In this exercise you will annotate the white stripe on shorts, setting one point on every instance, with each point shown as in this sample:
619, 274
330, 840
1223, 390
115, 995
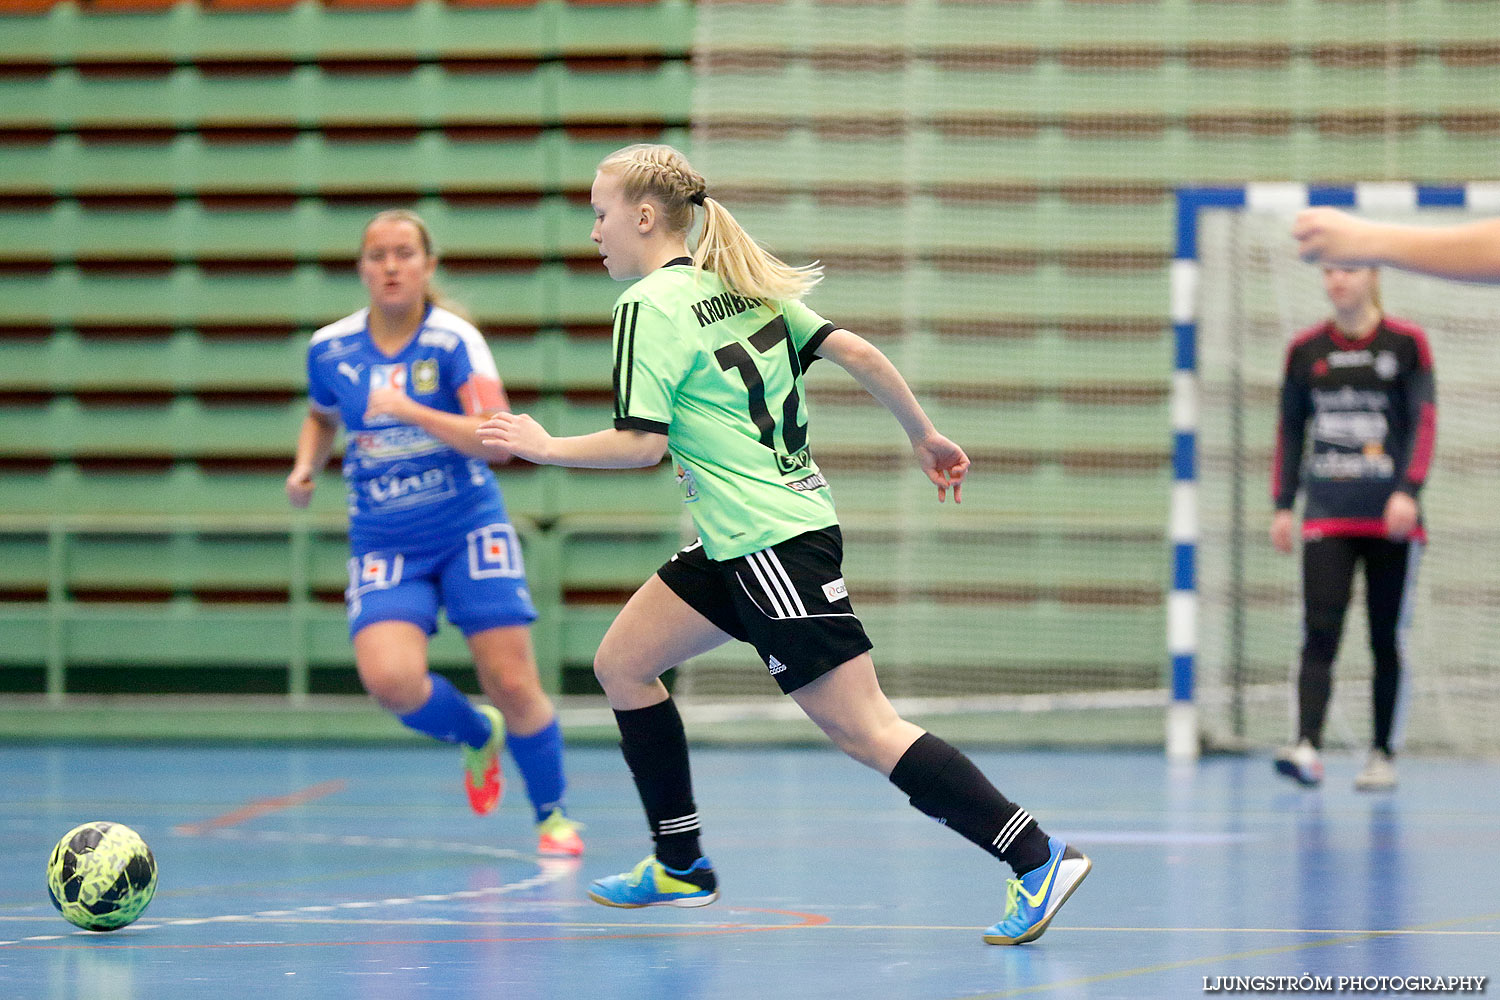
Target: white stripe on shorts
773, 593
774, 560
773, 578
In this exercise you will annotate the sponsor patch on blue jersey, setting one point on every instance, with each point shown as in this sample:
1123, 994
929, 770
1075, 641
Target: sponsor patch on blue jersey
403, 483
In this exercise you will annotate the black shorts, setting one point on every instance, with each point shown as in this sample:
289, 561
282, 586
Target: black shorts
788, 601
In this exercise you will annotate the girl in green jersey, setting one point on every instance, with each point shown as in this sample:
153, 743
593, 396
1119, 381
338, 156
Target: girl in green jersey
710, 347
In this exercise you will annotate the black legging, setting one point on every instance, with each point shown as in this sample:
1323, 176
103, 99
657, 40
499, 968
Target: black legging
1327, 578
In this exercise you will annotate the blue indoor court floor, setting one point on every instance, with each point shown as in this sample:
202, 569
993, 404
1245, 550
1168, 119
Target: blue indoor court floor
337, 873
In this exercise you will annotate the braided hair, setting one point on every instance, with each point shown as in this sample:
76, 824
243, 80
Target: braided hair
663, 175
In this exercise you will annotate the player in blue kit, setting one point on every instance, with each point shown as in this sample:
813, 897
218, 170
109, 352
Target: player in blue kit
411, 381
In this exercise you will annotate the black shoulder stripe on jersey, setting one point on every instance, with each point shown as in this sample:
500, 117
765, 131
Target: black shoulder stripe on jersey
624, 355
635, 312
619, 352
640, 424
809, 352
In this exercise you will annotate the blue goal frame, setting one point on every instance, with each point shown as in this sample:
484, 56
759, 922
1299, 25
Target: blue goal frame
1182, 737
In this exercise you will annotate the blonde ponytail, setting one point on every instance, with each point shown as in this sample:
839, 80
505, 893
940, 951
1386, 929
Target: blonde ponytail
744, 266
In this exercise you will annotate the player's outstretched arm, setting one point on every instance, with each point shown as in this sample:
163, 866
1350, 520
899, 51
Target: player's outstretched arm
1466, 252
943, 461
314, 446
520, 435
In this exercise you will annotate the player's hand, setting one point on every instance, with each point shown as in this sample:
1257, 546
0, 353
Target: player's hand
389, 402
1400, 516
945, 464
299, 486
1281, 531
517, 434
1329, 236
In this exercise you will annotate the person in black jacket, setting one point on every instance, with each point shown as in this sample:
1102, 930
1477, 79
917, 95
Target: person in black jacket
1362, 383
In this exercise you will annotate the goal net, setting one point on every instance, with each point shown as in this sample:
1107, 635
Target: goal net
1253, 296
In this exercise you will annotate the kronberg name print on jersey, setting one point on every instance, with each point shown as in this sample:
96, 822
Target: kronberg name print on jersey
404, 483
721, 376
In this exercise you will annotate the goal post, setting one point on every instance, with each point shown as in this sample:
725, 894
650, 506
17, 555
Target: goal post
1238, 295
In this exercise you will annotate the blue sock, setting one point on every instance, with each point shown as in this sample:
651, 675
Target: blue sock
539, 756
448, 716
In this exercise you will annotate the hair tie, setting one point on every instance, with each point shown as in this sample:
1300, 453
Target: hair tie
698, 197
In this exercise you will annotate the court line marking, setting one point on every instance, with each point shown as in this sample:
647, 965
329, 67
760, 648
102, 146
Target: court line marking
290, 917
260, 807
674, 930
365, 840
1338, 939
548, 870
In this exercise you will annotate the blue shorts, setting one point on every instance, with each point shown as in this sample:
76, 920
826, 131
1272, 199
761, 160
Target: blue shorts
479, 580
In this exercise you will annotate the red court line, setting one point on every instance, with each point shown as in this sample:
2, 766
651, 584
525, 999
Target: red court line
260, 807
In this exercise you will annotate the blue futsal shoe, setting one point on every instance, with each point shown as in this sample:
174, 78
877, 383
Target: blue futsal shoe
1032, 900
652, 883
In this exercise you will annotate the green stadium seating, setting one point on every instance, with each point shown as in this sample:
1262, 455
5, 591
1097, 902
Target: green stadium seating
624, 30
67, 363
1047, 358
526, 229
240, 158
306, 295
612, 553
615, 492
1043, 425
184, 490
189, 32
1066, 644
309, 163
24, 560
955, 560
625, 94
183, 428
586, 297
304, 228
575, 226
232, 171
1046, 495
583, 363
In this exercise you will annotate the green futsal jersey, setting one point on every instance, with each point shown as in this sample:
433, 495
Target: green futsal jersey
721, 376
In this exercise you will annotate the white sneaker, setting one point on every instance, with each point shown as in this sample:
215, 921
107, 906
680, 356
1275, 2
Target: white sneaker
1301, 764
1379, 774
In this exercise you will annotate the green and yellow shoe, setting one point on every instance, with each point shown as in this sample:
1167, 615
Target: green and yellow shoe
652, 883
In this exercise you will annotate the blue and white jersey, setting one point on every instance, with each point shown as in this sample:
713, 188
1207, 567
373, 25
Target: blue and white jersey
407, 488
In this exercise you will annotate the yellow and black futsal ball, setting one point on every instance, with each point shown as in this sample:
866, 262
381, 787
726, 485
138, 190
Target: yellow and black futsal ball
101, 876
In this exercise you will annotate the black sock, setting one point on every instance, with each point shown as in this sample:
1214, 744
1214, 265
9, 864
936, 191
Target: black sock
946, 785
655, 749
